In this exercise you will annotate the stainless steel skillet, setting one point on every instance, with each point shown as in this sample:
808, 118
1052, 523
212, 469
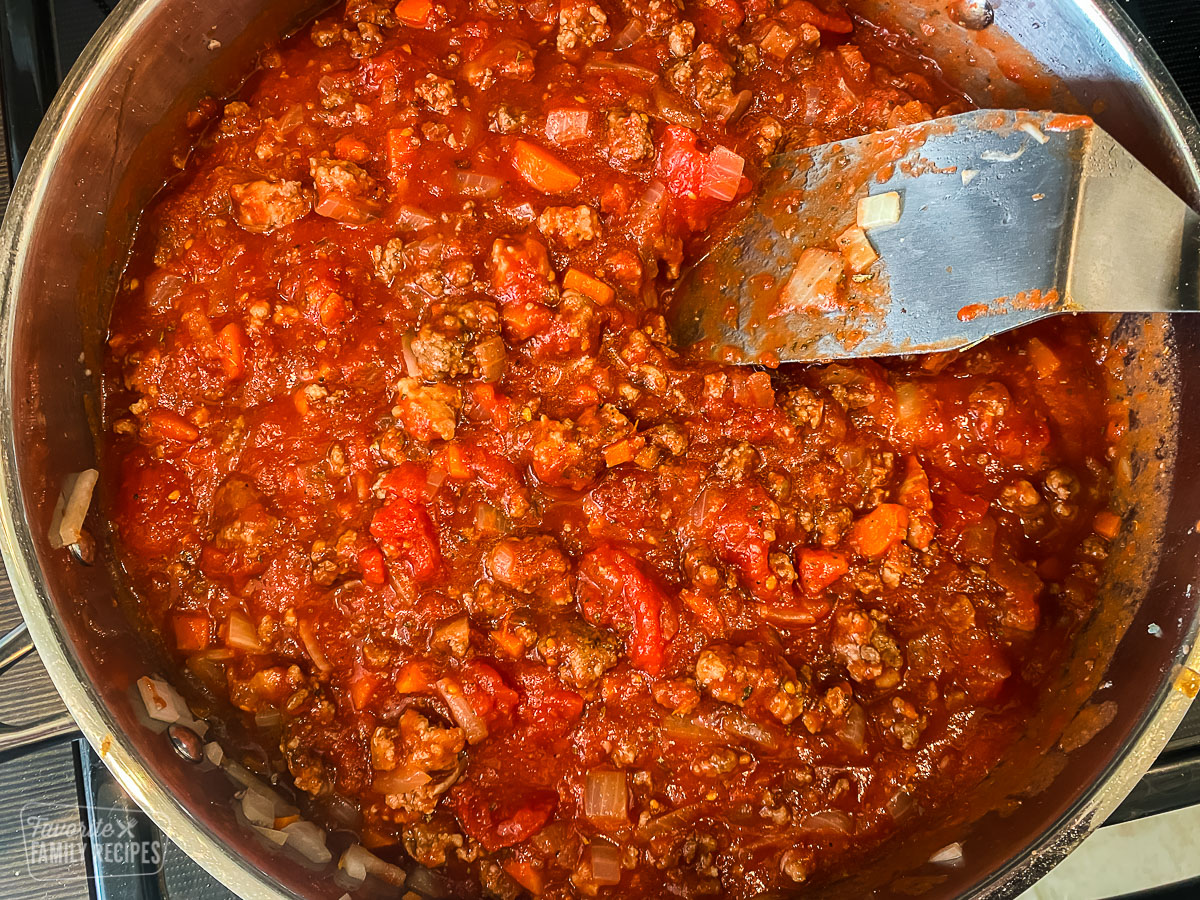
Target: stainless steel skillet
107, 144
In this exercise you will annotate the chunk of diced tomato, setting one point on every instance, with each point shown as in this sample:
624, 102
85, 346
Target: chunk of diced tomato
371, 564
820, 568
489, 694
408, 480
350, 147
680, 164
401, 149
876, 532
618, 592
405, 531
502, 814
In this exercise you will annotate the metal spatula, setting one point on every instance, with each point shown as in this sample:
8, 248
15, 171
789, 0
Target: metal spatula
981, 222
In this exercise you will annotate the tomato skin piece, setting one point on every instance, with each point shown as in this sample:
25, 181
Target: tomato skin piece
409, 480
404, 530
876, 532
623, 595
820, 568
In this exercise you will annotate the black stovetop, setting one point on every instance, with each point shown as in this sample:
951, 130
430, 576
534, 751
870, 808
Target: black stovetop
64, 783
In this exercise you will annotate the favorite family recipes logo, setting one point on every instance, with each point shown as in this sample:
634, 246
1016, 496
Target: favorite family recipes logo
62, 841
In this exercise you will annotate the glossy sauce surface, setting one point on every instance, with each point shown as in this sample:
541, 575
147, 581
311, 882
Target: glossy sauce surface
403, 462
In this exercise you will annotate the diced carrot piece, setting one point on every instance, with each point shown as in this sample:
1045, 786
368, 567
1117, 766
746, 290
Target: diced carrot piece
575, 280
875, 533
453, 459
284, 821
414, 677
623, 451
1107, 524
509, 643
349, 147
170, 425
413, 12
526, 875
543, 170
192, 632
820, 568
231, 345
362, 686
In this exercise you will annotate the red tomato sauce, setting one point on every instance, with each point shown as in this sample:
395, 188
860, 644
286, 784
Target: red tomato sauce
403, 457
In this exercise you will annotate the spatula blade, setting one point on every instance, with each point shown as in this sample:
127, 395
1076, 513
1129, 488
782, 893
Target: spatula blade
991, 206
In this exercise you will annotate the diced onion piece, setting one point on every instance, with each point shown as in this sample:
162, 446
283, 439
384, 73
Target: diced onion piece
616, 67
274, 835
722, 173
878, 210
815, 281
163, 703
214, 753
434, 479
606, 864
856, 248
683, 728
606, 797
414, 218
241, 633
830, 821
1034, 132
411, 368
900, 804
400, 781
778, 41
308, 637
268, 718
309, 841
465, 717
358, 862
353, 865
490, 354
968, 175
951, 853
672, 108
566, 125
75, 508
633, 32
854, 730
734, 106
489, 520
476, 184
258, 807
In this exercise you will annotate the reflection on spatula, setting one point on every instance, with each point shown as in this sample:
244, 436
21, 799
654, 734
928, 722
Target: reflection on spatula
935, 236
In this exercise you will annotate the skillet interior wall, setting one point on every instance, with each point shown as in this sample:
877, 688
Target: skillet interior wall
129, 152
